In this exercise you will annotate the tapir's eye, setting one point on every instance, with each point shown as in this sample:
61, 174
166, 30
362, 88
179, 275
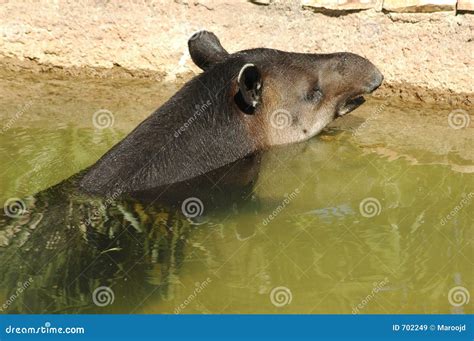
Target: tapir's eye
314, 95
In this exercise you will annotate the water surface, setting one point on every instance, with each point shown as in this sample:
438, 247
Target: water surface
372, 216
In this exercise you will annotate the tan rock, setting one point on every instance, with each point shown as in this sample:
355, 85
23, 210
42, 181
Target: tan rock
419, 5
465, 5
422, 56
261, 2
340, 4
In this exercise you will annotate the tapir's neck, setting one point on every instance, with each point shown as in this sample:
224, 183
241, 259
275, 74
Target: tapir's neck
193, 133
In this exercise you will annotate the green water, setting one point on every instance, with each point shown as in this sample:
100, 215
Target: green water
372, 216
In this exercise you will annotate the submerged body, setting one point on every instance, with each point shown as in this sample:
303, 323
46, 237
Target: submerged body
64, 244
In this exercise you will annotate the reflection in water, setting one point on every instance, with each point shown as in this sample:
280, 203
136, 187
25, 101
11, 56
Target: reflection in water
318, 243
67, 248
287, 222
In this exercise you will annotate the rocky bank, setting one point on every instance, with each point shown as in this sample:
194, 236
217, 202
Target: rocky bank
424, 56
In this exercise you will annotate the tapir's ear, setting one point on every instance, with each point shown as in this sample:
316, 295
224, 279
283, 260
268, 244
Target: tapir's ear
206, 49
250, 88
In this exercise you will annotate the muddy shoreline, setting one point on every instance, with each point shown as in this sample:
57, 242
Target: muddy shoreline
425, 57
397, 91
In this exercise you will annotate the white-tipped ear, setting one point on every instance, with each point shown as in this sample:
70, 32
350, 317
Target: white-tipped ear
242, 70
249, 81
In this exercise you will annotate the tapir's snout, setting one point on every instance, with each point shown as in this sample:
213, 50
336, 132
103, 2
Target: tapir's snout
350, 76
362, 73
376, 82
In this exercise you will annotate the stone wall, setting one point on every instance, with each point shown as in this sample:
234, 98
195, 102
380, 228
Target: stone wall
424, 56
408, 6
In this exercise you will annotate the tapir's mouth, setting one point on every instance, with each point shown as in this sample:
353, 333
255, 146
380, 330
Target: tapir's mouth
350, 105
354, 102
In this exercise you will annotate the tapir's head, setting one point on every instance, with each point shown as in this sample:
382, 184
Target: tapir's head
288, 97
242, 103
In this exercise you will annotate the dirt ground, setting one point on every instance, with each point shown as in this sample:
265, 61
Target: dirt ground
424, 57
